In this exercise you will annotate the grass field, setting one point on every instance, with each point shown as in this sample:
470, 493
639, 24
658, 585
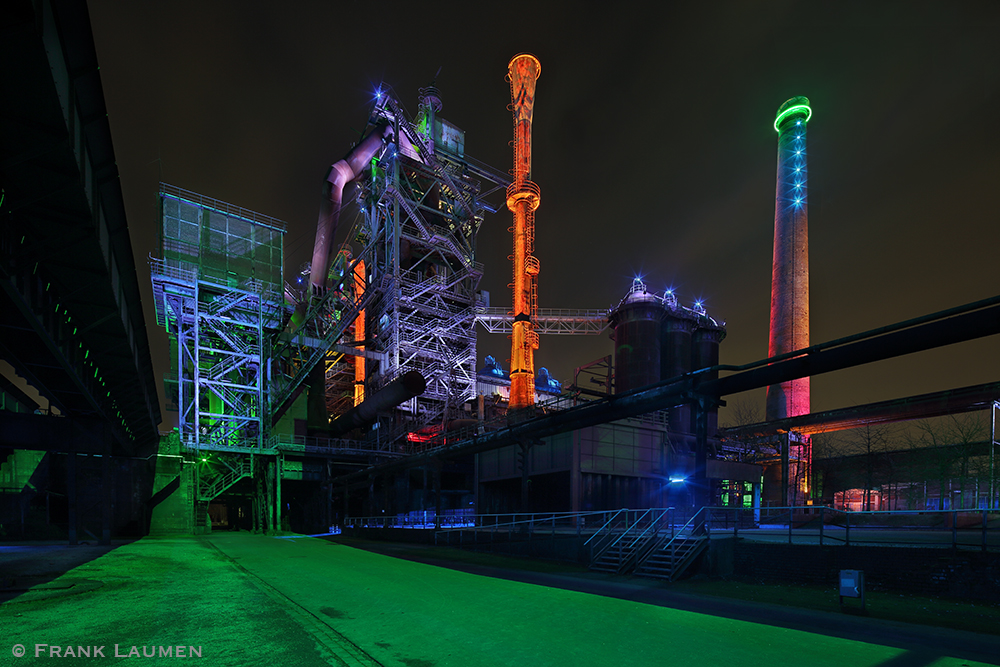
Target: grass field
887, 605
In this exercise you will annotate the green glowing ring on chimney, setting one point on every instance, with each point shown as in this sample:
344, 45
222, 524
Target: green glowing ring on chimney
796, 105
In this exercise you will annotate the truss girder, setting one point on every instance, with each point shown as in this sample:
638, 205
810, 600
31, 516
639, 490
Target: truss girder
549, 321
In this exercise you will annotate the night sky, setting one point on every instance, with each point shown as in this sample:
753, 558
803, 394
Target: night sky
653, 147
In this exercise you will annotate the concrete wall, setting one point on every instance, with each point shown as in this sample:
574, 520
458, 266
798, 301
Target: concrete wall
924, 571
173, 498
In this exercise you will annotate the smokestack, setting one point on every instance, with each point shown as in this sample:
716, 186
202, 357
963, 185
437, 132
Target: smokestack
523, 198
790, 268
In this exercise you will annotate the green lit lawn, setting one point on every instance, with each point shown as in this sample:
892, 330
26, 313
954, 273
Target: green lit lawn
407, 613
980, 617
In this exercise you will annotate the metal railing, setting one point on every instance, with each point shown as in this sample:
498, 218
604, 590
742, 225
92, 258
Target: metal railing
626, 529
576, 522
957, 529
301, 443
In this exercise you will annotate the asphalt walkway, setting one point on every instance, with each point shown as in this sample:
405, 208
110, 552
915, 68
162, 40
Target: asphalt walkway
243, 599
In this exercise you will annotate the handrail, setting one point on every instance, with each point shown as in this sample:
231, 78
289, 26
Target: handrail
651, 526
629, 529
600, 546
463, 521
605, 526
680, 532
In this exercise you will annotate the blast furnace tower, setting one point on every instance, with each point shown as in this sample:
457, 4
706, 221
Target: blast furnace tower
523, 198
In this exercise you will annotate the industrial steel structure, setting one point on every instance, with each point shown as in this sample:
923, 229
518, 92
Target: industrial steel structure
388, 329
218, 290
355, 386
422, 202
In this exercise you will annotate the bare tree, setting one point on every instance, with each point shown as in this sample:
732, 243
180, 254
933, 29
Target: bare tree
872, 442
951, 445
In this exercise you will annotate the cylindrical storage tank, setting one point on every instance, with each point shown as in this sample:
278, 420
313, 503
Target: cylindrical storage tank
675, 360
675, 345
636, 325
705, 353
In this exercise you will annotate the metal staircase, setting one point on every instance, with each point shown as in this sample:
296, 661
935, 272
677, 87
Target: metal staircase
671, 560
626, 539
213, 488
675, 552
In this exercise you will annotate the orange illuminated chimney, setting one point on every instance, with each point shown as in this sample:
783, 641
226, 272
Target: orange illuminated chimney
523, 197
359, 334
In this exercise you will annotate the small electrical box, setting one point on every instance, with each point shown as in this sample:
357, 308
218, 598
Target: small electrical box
852, 585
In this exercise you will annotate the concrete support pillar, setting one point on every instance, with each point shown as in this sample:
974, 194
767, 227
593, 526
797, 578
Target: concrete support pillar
386, 507
346, 504
369, 509
71, 496
437, 493
575, 476
107, 493
701, 491
424, 494
524, 455
277, 489
475, 480
783, 443
271, 467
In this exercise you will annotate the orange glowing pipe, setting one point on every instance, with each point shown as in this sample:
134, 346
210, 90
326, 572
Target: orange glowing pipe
523, 198
359, 333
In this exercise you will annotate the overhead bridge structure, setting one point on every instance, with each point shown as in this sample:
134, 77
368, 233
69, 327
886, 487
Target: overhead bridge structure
552, 321
71, 318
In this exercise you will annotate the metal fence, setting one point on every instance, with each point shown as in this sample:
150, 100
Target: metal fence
824, 526
957, 529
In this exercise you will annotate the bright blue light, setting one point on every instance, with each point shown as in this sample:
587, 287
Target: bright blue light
677, 480
798, 201
798, 152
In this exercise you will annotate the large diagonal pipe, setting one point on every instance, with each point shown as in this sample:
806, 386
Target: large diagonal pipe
403, 388
341, 173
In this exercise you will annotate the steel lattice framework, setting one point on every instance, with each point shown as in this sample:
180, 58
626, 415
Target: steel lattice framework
423, 201
216, 292
564, 321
